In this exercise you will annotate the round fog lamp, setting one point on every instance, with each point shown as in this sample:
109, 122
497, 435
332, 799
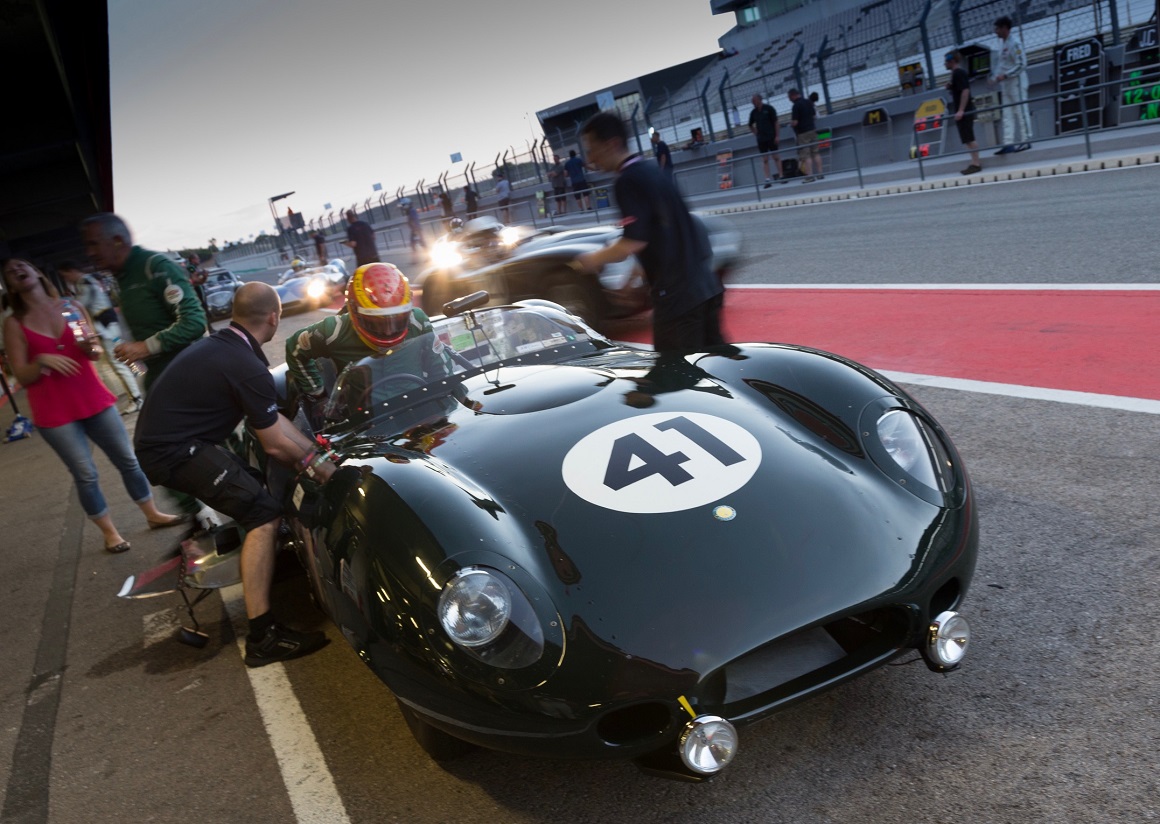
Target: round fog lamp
707, 744
948, 638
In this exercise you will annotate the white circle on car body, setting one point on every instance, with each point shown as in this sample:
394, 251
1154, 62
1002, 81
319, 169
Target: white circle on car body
661, 462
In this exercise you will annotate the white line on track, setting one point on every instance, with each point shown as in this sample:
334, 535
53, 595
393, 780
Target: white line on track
1151, 407
311, 787
974, 287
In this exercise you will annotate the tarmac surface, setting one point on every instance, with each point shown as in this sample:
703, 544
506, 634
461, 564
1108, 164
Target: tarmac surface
1052, 718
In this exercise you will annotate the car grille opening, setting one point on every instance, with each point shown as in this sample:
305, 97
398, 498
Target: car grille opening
636, 723
803, 660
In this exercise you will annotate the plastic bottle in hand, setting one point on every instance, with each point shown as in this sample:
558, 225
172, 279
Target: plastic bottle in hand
136, 367
86, 337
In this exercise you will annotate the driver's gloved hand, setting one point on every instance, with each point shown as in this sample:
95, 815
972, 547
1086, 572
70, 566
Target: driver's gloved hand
314, 407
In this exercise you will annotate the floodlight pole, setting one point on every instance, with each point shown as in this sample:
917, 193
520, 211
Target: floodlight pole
277, 223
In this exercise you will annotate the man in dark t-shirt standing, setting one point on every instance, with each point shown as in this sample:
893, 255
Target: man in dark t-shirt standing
803, 118
672, 246
191, 410
574, 166
763, 124
963, 107
663, 155
360, 237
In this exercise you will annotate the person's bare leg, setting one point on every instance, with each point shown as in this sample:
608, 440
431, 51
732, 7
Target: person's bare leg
108, 530
156, 517
258, 551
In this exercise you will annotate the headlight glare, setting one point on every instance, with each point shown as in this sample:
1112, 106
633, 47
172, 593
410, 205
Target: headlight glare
316, 288
445, 254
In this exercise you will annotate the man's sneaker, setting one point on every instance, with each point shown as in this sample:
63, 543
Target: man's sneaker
1006, 150
768, 183
282, 644
972, 170
1022, 147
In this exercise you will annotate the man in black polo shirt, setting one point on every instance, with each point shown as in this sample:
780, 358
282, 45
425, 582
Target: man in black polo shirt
963, 107
672, 246
803, 118
191, 410
360, 237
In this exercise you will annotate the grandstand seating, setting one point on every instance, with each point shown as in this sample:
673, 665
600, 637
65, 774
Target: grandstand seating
864, 46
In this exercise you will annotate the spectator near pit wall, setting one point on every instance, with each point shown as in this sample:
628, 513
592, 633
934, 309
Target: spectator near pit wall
763, 123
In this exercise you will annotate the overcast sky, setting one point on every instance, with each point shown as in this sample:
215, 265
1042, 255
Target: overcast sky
219, 104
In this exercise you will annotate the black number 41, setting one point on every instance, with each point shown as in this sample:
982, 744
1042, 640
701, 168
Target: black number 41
618, 475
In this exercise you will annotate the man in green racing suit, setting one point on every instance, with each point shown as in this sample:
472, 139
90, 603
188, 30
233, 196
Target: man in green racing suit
379, 319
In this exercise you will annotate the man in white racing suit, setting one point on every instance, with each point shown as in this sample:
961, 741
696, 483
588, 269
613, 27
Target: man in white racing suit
1010, 75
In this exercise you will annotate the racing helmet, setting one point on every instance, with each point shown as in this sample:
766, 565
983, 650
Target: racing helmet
298, 264
455, 225
378, 298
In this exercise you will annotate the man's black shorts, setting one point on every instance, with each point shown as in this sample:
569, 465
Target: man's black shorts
223, 481
764, 146
966, 127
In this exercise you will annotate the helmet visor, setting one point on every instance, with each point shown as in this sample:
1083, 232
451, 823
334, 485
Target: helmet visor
383, 327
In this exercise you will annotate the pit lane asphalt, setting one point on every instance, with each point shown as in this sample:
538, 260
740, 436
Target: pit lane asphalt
1052, 718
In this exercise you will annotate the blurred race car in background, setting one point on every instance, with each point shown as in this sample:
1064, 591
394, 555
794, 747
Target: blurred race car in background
219, 288
517, 263
303, 288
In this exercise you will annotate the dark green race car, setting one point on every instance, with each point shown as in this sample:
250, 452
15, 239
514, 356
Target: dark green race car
561, 546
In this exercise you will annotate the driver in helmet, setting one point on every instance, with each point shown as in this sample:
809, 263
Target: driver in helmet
379, 317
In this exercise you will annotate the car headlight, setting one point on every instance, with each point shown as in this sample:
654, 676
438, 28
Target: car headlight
446, 255
484, 613
707, 744
947, 640
509, 236
316, 289
912, 445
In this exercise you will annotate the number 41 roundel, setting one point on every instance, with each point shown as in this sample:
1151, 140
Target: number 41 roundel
661, 462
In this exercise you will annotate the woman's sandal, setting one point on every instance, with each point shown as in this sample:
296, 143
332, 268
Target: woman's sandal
175, 521
121, 547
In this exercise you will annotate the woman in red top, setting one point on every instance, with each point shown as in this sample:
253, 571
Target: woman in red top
52, 359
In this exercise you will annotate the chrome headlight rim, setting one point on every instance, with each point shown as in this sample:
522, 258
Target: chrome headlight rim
947, 640
475, 664
707, 744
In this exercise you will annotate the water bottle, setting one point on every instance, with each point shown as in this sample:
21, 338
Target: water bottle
137, 367
83, 333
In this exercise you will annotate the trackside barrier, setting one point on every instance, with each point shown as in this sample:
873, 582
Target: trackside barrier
689, 177
1085, 88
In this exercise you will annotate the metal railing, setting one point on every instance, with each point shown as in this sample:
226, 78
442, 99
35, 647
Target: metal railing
690, 178
1085, 89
